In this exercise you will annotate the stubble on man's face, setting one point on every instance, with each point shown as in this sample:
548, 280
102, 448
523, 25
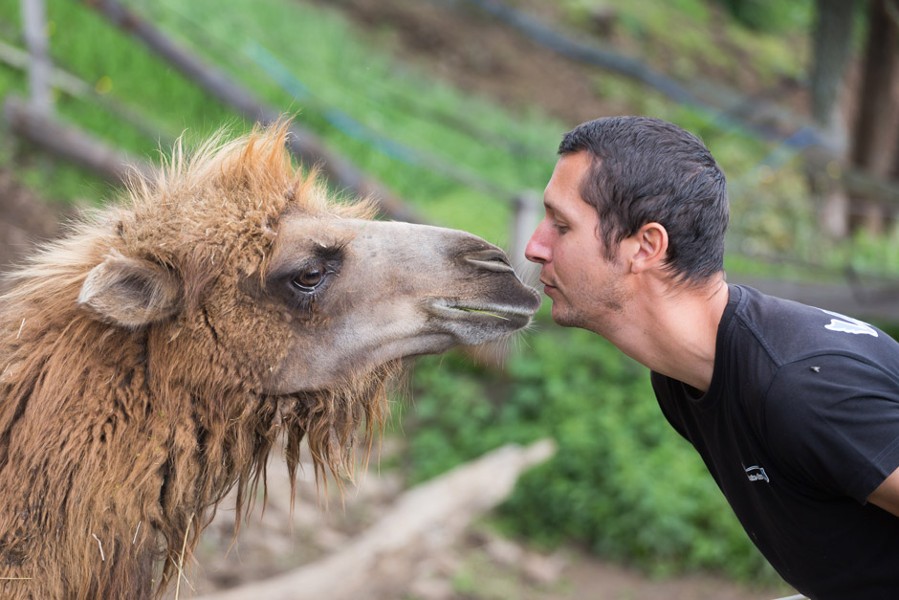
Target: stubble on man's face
595, 300
586, 287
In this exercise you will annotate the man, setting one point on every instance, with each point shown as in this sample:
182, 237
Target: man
794, 409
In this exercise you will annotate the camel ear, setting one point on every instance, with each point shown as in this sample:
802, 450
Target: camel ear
130, 292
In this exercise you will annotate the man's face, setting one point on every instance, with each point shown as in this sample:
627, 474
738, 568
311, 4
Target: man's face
585, 288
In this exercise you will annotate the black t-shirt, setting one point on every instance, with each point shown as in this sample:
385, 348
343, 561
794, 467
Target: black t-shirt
799, 425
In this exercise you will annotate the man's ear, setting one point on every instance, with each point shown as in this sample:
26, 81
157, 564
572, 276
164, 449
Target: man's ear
648, 247
130, 292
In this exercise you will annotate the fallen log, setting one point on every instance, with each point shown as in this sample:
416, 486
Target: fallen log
381, 561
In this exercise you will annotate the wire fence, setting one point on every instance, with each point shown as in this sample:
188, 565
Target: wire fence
252, 54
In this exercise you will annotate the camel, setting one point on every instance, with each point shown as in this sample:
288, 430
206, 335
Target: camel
152, 357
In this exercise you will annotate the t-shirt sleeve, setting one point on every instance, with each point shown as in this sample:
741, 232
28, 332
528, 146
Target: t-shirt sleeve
666, 396
835, 421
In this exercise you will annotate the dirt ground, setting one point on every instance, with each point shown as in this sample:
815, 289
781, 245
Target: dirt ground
475, 54
460, 44
481, 565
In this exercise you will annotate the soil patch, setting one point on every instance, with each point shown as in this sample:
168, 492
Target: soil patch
469, 48
25, 220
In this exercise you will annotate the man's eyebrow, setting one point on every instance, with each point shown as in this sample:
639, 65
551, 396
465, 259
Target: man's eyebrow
553, 210
548, 203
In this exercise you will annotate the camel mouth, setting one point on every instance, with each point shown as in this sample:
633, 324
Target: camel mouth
507, 317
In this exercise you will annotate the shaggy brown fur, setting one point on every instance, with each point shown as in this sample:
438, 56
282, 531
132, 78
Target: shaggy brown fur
117, 442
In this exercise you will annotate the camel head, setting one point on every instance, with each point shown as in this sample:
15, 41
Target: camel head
253, 277
150, 359
256, 267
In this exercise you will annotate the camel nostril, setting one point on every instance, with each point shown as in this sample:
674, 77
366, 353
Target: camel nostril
491, 259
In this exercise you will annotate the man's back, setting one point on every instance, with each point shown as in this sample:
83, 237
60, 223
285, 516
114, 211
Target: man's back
799, 426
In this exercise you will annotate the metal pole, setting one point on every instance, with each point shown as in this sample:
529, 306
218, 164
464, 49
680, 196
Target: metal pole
34, 23
527, 214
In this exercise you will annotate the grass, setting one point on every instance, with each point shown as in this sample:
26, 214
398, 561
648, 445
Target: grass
457, 159
418, 135
421, 147
695, 39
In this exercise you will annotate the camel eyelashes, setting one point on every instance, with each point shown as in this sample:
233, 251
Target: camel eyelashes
299, 286
312, 273
305, 283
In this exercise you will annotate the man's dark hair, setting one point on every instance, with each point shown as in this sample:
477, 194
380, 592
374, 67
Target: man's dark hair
647, 170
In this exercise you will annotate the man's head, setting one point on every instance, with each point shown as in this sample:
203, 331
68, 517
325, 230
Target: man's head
646, 170
628, 195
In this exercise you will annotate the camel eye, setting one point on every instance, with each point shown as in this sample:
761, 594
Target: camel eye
302, 283
310, 278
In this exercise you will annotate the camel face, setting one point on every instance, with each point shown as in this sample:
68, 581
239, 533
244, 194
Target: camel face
357, 294
253, 276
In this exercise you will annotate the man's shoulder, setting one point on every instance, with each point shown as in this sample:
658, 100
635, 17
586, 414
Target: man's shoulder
790, 331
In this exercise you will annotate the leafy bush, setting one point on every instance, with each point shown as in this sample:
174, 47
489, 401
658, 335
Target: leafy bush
623, 483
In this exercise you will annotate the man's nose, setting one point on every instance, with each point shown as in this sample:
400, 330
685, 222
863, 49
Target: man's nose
537, 250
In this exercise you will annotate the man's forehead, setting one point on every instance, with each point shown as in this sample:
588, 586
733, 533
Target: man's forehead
563, 192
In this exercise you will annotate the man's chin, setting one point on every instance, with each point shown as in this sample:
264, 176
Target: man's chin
561, 316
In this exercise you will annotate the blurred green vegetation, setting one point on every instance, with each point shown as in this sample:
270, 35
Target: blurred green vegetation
623, 483
416, 134
696, 39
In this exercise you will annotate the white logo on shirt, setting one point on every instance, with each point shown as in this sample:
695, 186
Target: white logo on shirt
846, 324
756, 473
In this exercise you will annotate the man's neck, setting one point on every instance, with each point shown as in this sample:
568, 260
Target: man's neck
673, 330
